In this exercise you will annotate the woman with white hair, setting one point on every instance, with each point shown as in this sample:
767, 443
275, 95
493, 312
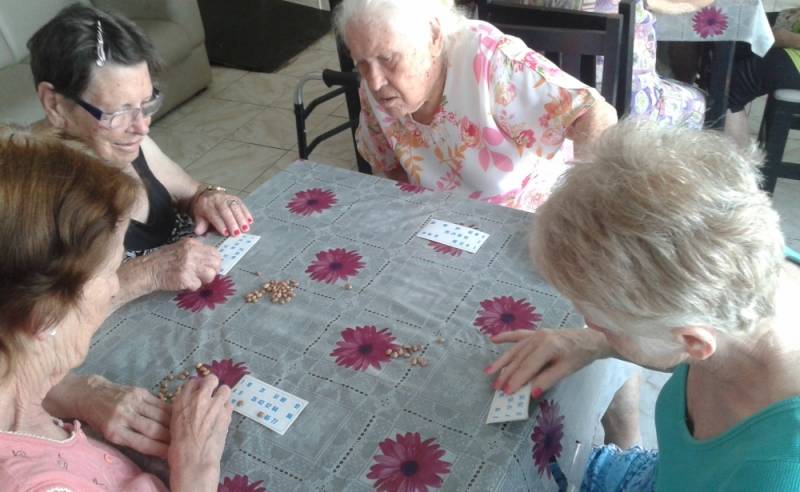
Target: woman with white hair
455, 105
675, 258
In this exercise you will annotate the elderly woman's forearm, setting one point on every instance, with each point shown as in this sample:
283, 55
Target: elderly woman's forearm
135, 280
590, 126
786, 39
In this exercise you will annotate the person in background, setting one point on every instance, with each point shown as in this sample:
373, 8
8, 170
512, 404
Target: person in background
755, 76
452, 104
668, 247
62, 221
653, 97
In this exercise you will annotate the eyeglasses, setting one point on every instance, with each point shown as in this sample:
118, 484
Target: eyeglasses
123, 118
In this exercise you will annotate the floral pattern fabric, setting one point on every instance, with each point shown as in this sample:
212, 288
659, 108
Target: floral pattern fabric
499, 132
653, 97
208, 296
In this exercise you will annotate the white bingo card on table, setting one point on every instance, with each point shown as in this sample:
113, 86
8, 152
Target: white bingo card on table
269, 406
233, 249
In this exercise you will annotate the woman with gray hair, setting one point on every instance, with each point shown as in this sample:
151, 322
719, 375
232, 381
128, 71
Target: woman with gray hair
674, 256
94, 73
455, 105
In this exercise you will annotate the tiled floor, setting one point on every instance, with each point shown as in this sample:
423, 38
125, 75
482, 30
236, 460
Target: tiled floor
241, 131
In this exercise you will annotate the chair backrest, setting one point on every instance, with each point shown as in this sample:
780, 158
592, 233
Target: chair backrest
573, 40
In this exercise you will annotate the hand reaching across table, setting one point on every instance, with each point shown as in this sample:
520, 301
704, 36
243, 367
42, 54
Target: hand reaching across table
544, 357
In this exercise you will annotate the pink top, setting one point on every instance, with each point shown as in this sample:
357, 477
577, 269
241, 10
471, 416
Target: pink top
499, 132
38, 464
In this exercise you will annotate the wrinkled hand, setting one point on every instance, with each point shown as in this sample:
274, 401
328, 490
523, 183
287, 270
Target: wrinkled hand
201, 414
545, 357
225, 213
126, 416
185, 265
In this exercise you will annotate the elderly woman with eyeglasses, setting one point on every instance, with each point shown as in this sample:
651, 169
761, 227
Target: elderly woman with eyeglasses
62, 224
667, 246
455, 105
93, 72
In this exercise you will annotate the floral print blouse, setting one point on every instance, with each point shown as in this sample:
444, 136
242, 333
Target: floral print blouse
499, 131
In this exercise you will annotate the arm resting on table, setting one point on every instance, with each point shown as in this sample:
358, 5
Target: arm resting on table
135, 280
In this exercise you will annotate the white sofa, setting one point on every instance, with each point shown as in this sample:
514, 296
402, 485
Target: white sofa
174, 26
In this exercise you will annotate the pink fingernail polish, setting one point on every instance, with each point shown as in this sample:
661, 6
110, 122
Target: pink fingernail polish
507, 389
496, 385
537, 392
236, 232
250, 220
225, 232
245, 228
487, 369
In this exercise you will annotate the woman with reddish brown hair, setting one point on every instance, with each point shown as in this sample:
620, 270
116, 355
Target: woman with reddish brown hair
63, 217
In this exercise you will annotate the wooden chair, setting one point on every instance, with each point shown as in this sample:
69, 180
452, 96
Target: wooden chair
573, 40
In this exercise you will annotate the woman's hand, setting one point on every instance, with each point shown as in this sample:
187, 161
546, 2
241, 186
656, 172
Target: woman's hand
126, 416
545, 357
185, 265
201, 414
225, 213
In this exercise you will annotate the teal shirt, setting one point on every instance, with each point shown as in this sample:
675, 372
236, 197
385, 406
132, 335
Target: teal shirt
761, 453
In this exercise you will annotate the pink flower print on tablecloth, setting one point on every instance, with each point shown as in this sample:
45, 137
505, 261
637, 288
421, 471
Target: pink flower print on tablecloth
547, 434
408, 464
227, 371
710, 21
208, 296
311, 201
240, 483
335, 264
409, 188
444, 249
505, 313
363, 347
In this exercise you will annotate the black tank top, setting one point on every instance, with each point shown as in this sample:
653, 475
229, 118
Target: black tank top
161, 219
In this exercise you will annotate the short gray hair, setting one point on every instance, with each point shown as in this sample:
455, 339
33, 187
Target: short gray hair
665, 228
402, 16
64, 51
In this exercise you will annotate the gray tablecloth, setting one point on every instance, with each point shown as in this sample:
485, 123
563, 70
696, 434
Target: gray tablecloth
371, 421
